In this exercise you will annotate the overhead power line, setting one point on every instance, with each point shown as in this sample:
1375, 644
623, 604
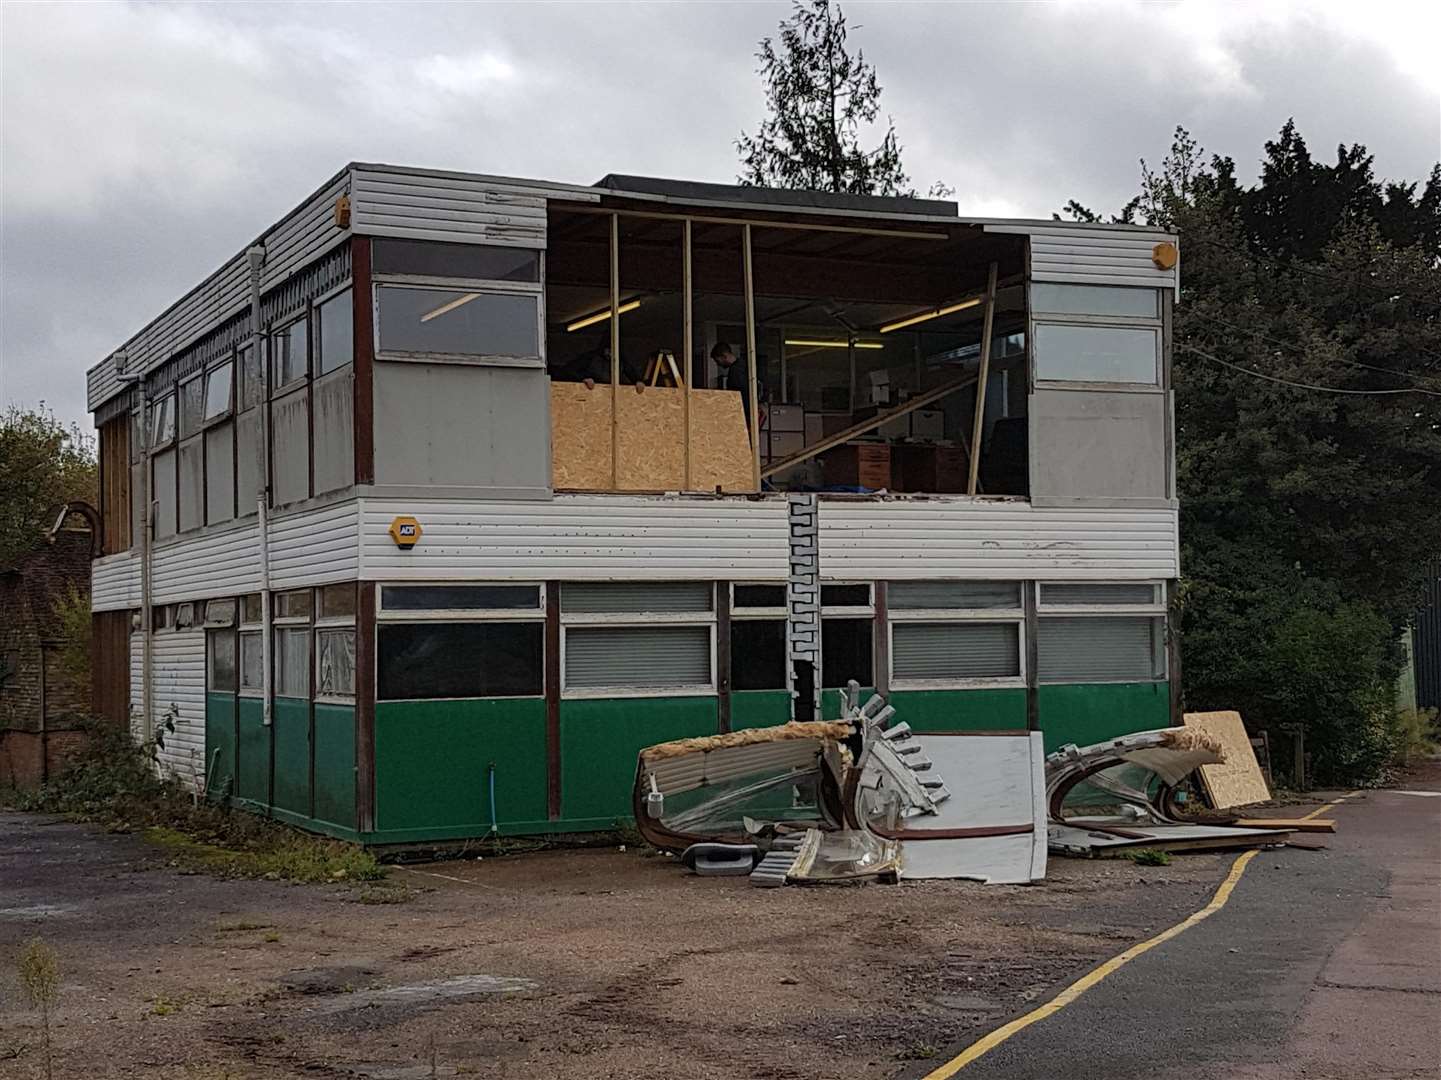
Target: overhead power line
1302, 385
1301, 350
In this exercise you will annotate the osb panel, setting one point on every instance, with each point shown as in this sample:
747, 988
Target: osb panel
652, 452
1238, 780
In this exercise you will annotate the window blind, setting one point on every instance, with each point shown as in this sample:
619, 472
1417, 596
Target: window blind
637, 656
935, 650
1109, 648
1086, 592
634, 596
901, 595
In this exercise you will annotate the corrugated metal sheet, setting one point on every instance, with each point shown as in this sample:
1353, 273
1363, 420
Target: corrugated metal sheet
466, 209
580, 537
301, 237
179, 686
308, 548
957, 538
115, 582
1094, 254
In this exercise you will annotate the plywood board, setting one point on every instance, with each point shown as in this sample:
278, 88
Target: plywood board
1238, 780
652, 433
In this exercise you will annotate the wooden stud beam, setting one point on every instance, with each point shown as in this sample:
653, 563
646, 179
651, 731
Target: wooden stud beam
983, 371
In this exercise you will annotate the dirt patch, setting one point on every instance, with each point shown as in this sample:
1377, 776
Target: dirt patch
591, 963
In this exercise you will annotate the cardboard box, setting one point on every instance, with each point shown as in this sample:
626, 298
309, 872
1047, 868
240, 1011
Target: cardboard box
859, 464
899, 428
786, 443
928, 424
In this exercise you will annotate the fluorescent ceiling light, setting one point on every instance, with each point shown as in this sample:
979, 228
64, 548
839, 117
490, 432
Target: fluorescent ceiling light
601, 316
926, 316
459, 301
832, 343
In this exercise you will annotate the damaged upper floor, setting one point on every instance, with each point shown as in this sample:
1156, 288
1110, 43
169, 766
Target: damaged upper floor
468, 335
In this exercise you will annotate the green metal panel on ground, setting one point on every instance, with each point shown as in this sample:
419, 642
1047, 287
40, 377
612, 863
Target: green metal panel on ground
432, 765
252, 772
334, 770
962, 710
759, 708
290, 719
1088, 713
599, 743
219, 745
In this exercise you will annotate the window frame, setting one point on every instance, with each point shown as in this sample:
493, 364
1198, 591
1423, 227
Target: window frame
1157, 609
779, 614
253, 629
207, 421
843, 611
282, 325
643, 619
1005, 616
165, 404
317, 340
536, 290
1039, 319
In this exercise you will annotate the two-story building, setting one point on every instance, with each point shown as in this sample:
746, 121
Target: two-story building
429, 509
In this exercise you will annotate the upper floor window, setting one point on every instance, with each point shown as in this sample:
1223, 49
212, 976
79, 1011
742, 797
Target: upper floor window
1098, 300
162, 420
458, 322
289, 359
335, 337
481, 262
1097, 334
218, 386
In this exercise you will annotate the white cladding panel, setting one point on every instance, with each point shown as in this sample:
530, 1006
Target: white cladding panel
1095, 254
309, 548
137, 687
300, 238
179, 690
115, 582
957, 538
449, 206
580, 537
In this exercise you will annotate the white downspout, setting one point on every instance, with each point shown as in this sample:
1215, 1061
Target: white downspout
147, 628
256, 258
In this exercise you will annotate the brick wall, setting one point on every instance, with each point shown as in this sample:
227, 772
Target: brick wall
20, 755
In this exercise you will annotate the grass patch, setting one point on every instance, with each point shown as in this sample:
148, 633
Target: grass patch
386, 894
114, 783
918, 1052
1148, 857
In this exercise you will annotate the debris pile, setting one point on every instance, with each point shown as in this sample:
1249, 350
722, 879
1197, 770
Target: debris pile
865, 798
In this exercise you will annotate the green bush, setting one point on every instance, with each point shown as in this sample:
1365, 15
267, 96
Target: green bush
1417, 736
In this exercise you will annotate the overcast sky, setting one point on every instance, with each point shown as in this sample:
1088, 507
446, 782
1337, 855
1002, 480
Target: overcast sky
144, 144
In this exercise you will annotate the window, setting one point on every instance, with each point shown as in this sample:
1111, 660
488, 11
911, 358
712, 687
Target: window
192, 484
252, 665
1095, 300
644, 636
430, 259
221, 669
184, 616
250, 609
1085, 353
292, 605
425, 660
335, 334
192, 405
758, 637
955, 633
220, 613
1097, 632
289, 362
162, 617
292, 661
334, 662
459, 597
252, 378
162, 420
457, 322
218, 384
162, 480
337, 601
847, 635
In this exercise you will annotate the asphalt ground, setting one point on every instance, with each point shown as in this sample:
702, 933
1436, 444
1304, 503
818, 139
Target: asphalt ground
1323, 964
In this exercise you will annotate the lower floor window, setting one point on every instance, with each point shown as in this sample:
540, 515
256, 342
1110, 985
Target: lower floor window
758, 654
220, 661
292, 662
846, 652
954, 651
1101, 648
642, 657
419, 660
335, 663
252, 668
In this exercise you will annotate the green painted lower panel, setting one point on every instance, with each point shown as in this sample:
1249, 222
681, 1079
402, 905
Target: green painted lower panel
252, 770
290, 719
600, 740
961, 710
220, 745
334, 772
1090, 712
759, 708
432, 765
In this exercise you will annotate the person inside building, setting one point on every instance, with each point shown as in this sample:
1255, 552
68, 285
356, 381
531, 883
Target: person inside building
735, 375
593, 366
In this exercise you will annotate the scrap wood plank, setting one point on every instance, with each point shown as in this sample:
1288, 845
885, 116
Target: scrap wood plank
1298, 824
1238, 780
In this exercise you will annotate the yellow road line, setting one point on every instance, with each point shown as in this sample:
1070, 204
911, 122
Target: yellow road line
989, 1042
1327, 806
